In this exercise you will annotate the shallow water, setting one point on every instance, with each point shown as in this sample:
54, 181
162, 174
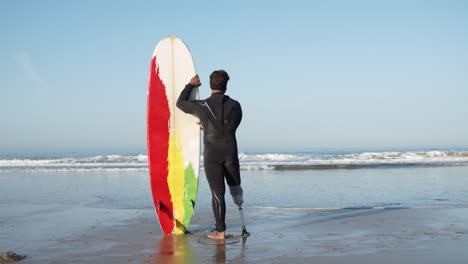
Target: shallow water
383, 187
373, 187
66, 210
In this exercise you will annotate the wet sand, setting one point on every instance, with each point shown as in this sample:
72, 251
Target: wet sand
67, 233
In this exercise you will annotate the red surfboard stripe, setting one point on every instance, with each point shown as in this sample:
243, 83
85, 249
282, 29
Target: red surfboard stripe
158, 147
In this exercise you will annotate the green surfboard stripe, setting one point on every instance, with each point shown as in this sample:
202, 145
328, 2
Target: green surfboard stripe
191, 187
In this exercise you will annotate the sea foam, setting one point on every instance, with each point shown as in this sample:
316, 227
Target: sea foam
262, 161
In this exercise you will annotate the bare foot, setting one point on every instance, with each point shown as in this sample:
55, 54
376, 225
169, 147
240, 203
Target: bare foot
218, 235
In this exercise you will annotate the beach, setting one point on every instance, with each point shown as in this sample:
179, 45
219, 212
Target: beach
435, 235
386, 214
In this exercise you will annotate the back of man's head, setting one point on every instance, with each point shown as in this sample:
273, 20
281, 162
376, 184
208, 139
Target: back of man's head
219, 80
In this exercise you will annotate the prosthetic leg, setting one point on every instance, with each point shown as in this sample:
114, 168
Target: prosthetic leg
236, 192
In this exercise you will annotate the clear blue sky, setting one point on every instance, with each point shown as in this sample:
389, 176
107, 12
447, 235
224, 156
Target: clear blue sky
309, 74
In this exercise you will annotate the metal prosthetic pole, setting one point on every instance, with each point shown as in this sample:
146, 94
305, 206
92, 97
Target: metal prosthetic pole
236, 192
244, 230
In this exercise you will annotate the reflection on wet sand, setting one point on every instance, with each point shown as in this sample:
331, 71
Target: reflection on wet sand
178, 249
174, 249
220, 255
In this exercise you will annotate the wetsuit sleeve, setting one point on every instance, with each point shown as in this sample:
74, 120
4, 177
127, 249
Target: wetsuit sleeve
184, 103
235, 117
238, 116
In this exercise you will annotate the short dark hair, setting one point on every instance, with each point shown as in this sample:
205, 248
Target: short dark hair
219, 80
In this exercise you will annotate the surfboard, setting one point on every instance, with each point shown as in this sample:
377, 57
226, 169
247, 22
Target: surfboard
173, 137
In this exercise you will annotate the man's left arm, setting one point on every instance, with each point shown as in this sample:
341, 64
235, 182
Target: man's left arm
183, 102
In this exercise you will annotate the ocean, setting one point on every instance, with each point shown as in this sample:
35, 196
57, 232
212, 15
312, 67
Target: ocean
353, 178
294, 160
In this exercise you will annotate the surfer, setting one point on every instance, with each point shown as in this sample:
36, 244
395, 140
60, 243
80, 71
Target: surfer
219, 118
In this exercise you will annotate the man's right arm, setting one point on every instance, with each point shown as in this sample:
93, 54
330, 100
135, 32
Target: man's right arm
234, 117
238, 115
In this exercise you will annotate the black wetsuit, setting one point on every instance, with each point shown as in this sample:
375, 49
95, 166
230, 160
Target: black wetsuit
220, 116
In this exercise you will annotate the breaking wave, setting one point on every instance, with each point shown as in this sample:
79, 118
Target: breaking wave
353, 160
264, 161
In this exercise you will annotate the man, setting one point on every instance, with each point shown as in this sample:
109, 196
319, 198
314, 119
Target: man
219, 118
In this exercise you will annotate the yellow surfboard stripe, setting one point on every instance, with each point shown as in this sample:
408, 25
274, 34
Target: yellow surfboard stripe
176, 181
